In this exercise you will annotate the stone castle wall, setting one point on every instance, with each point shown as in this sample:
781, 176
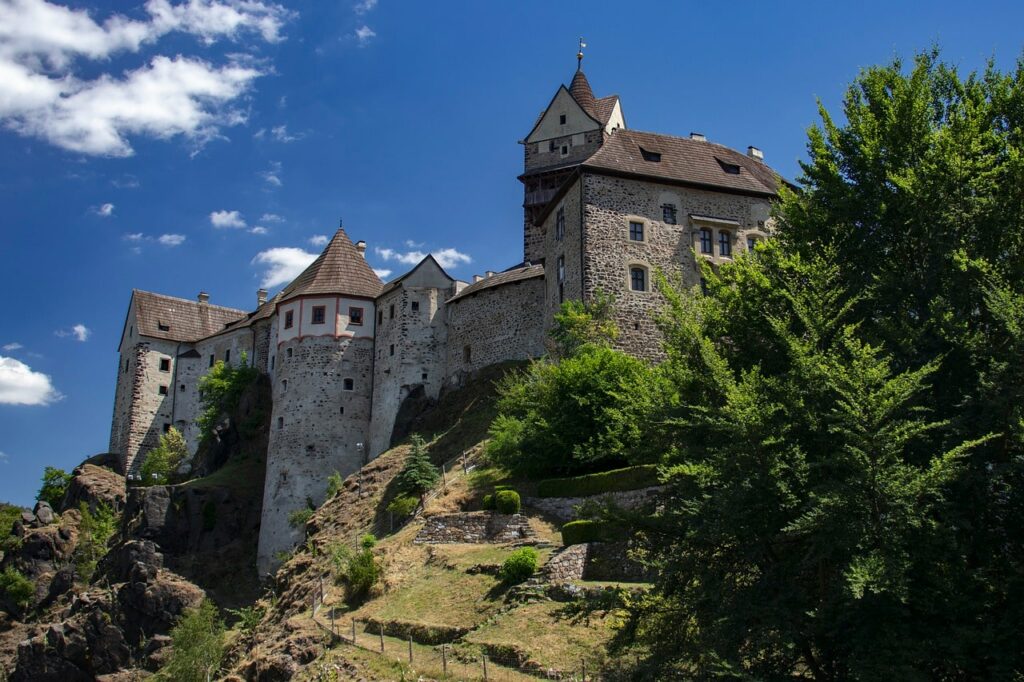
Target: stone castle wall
610, 204
568, 248
148, 411
317, 427
501, 323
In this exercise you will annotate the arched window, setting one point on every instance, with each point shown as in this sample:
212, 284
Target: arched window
724, 243
638, 278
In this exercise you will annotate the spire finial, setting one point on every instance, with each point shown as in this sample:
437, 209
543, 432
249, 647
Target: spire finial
341, 223
579, 55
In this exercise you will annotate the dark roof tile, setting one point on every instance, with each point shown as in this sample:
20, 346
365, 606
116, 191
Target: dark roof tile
516, 274
339, 270
178, 319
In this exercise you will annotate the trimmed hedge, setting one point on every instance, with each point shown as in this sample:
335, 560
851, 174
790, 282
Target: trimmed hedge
507, 502
630, 478
519, 566
488, 503
578, 532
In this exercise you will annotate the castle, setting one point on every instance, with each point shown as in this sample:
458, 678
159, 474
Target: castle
604, 208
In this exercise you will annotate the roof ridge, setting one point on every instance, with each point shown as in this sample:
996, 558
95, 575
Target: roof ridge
705, 142
189, 300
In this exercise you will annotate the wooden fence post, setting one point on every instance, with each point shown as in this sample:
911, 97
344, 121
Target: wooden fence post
584, 662
382, 636
444, 659
485, 667
410, 649
353, 632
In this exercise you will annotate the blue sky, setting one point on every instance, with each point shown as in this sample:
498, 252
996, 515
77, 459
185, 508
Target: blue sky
175, 146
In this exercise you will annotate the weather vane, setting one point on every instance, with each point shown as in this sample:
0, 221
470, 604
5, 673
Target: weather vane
579, 55
341, 222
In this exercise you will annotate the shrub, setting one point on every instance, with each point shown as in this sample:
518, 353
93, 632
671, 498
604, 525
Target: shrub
162, 461
249, 618
94, 532
488, 502
361, 575
630, 478
334, 482
404, 505
578, 532
220, 390
16, 588
340, 555
368, 541
507, 501
55, 484
198, 645
519, 566
299, 517
419, 474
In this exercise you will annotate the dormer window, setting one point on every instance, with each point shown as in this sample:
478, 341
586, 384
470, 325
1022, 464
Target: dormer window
649, 155
163, 327
561, 119
730, 168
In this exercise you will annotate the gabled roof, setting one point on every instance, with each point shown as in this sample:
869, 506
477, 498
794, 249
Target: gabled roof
178, 319
515, 274
339, 270
397, 282
261, 313
683, 160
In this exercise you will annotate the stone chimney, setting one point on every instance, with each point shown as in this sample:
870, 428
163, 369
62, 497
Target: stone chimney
755, 153
203, 297
477, 278
699, 137
261, 297
490, 273
361, 248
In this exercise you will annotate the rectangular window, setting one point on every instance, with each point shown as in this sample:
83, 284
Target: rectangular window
391, 311
181, 388
415, 306
165, 364
565, 150
551, 146
162, 390
167, 428
423, 377
467, 353
560, 224
273, 360
705, 240
751, 243
380, 317
636, 231
319, 314
561, 119
355, 315
391, 351
668, 213
560, 269
348, 384
724, 244
289, 319
280, 422
212, 360
126, 361
227, 356
638, 279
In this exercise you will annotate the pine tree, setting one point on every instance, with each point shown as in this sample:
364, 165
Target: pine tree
419, 474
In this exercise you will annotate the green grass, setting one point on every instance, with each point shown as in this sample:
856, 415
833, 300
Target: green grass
241, 473
630, 478
438, 596
461, 557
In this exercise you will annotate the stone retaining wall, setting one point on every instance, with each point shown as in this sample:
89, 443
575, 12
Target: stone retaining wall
475, 527
564, 508
594, 561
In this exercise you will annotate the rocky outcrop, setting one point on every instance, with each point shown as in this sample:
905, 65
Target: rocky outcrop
93, 483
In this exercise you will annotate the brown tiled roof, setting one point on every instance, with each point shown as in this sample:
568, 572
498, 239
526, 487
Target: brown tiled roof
580, 90
339, 270
516, 274
183, 320
603, 108
683, 160
261, 313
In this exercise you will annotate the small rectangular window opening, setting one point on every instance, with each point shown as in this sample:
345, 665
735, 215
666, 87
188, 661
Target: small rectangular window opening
319, 314
705, 240
165, 364
560, 224
212, 360
355, 316
162, 390
668, 214
288, 352
163, 327
227, 356
636, 231
649, 155
280, 422
638, 279
167, 428
467, 354
392, 350
724, 244
289, 319
380, 317
349, 384
561, 119
415, 306
391, 312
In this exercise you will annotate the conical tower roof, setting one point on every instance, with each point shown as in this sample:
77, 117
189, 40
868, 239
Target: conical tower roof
339, 271
581, 92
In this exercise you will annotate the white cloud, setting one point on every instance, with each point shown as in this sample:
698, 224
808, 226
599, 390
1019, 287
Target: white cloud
319, 240
281, 134
282, 264
224, 219
13, 346
364, 6
446, 258
79, 331
134, 237
383, 273
127, 181
272, 176
20, 385
259, 229
271, 218
171, 239
413, 245
42, 96
365, 34
105, 210
4, 459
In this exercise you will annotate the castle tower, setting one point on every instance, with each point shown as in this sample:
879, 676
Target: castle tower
322, 338
574, 125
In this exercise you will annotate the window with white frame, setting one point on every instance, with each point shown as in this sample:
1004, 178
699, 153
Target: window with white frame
636, 231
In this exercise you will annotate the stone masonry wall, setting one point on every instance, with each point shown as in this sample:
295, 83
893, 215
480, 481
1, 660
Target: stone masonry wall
149, 410
594, 561
610, 204
567, 248
564, 508
498, 324
317, 427
475, 527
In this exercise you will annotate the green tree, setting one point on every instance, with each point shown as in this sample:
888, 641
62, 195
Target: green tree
220, 390
55, 484
588, 412
16, 588
579, 323
419, 474
163, 461
94, 532
197, 645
